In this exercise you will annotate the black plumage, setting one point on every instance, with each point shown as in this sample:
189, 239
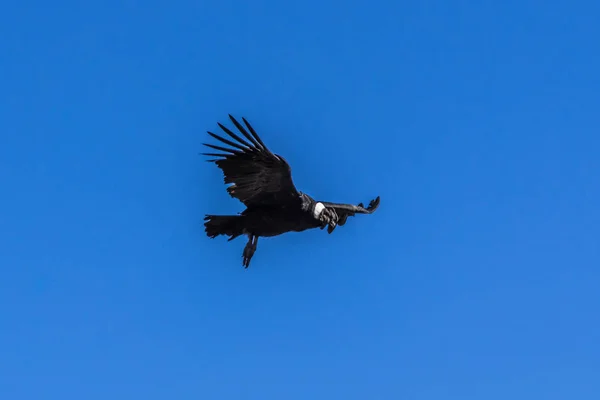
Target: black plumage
262, 181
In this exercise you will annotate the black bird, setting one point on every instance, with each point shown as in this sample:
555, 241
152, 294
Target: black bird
262, 181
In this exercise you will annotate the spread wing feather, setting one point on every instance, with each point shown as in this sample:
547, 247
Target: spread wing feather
258, 176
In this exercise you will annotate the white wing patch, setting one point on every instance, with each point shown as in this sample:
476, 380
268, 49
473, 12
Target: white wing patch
319, 207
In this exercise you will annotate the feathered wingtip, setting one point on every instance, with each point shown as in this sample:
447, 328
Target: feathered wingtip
251, 143
373, 205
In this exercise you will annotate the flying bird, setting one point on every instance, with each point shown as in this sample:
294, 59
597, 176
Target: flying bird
262, 181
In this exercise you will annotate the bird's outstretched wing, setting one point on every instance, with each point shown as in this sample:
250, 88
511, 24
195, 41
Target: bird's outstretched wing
258, 176
344, 211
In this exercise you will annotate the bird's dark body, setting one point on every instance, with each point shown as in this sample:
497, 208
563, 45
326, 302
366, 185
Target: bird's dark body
265, 221
262, 181
274, 221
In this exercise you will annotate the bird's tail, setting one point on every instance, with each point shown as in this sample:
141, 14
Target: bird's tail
230, 225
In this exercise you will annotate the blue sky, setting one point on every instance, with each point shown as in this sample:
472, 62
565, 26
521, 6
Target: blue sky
476, 123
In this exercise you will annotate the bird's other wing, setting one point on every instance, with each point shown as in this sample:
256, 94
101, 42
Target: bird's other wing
348, 210
258, 176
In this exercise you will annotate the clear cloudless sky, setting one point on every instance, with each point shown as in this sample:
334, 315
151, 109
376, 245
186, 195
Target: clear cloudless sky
476, 122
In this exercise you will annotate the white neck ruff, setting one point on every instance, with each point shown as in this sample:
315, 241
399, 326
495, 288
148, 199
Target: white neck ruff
319, 207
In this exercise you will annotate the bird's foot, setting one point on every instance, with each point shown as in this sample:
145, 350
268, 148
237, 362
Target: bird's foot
249, 251
247, 255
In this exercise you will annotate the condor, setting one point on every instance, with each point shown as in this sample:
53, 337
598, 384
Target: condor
262, 181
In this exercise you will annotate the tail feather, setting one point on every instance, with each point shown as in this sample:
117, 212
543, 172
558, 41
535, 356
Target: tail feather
229, 225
